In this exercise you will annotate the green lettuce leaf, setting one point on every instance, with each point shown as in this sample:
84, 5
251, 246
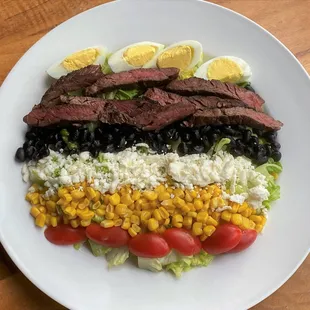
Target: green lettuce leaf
105, 68
121, 94
186, 263
97, 249
221, 145
117, 256
156, 264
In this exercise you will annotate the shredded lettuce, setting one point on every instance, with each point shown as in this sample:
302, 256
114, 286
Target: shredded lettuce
221, 145
117, 256
186, 263
77, 246
175, 262
271, 170
78, 92
105, 68
121, 94
97, 249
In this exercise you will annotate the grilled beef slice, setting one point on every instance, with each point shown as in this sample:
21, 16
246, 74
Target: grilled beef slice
73, 81
234, 116
133, 79
200, 102
198, 86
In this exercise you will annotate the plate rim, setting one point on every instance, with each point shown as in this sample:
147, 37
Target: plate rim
10, 251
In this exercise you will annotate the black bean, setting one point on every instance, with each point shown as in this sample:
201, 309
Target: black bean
27, 144
241, 128
186, 137
206, 143
39, 144
97, 144
230, 131
197, 149
83, 135
171, 135
232, 142
196, 135
36, 156
30, 135
90, 136
248, 151
268, 150
44, 151
94, 151
276, 155
107, 138
121, 144
236, 152
240, 145
159, 138
247, 134
30, 151
259, 132
276, 145
110, 148
271, 136
60, 145
217, 130
214, 137
261, 159
131, 137
85, 146
20, 155
261, 149
183, 149
204, 130
74, 136
73, 151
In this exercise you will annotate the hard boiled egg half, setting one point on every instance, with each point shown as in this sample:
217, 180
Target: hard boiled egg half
90, 56
134, 56
184, 55
226, 69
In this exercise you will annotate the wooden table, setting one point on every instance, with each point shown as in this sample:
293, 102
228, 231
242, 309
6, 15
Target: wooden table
23, 22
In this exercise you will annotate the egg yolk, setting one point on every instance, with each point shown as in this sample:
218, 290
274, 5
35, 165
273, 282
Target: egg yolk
179, 57
224, 70
138, 56
80, 59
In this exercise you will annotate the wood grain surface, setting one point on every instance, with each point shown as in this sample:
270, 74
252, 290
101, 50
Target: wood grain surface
23, 22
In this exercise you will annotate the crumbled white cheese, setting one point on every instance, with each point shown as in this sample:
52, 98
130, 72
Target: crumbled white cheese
145, 171
220, 209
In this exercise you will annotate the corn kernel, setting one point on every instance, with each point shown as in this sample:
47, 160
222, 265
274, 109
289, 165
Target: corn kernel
42, 209
126, 200
209, 230
185, 209
137, 213
264, 220
153, 204
203, 237
126, 224
252, 224
197, 229
160, 188
96, 205
256, 219
106, 199
65, 219
131, 207
178, 192
167, 202
198, 204
247, 212
216, 215
243, 207
161, 229
115, 199
145, 206
157, 215
150, 195
234, 207
169, 190
86, 202
245, 223
75, 223
132, 232
90, 194
136, 228
85, 223
192, 214
163, 196
205, 197
40, 220
67, 198
134, 219
34, 212
226, 216
48, 220
163, 212
50, 205
109, 215
100, 212
61, 192
118, 222
236, 219
107, 223
109, 208
177, 220
53, 221
120, 209
136, 195
178, 202
54, 198
188, 221
70, 211
42, 201
87, 215
152, 224
145, 215
211, 221
193, 193
97, 197
167, 221
202, 217
259, 227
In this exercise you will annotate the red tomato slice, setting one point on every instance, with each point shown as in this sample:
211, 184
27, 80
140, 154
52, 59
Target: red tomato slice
248, 237
225, 238
65, 234
113, 237
149, 245
182, 241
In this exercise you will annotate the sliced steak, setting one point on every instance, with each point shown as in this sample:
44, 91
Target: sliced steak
200, 102
197, 86
234, 116
71, 82
133, 79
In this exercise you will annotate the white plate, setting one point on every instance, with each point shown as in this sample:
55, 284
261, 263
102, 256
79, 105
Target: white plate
80, 281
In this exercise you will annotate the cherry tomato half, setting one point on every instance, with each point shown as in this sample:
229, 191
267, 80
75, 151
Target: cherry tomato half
182, 241
248, 237
149, 245
65, 234
225, 238
113, 237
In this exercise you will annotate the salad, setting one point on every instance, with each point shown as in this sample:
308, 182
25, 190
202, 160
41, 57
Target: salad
160, 154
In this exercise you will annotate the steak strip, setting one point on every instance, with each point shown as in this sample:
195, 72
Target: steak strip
73, 81
162, 97
133, 79
234, 116
197, 86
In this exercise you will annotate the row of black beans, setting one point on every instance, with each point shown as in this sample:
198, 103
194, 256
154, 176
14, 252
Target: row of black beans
115, 138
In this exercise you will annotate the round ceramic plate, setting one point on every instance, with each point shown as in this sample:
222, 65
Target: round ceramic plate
79, 280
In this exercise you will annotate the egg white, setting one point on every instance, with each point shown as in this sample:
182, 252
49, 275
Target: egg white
118, 63
201, 72
57, 70
196, 46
